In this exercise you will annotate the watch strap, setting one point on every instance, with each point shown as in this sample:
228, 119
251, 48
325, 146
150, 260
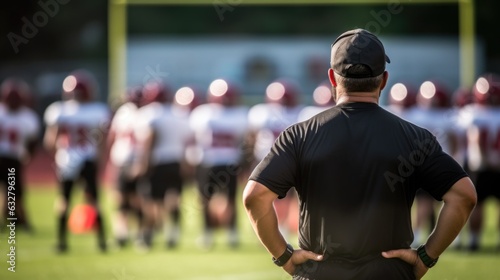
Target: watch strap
422, 254
281, 260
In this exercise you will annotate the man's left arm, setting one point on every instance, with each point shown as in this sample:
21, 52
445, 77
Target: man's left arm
459, 202
258, 201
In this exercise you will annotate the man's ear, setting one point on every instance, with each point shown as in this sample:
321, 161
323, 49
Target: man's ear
331, 77
385, 77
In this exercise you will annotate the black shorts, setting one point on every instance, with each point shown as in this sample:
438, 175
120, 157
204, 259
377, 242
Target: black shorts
487, 184
88, 173
126, 185
217, 179
379, 268
162, 178
11, 179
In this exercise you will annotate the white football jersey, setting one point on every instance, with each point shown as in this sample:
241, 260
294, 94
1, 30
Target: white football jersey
82, 128
268, 120
483, 150
17, 128
124, 147
219, 132
439, 122
171, 128
461, 119
400, 111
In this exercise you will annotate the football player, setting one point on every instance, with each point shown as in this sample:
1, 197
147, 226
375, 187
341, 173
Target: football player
76, 135
219, 128
163, 133
19, 128
483, 149
123, 154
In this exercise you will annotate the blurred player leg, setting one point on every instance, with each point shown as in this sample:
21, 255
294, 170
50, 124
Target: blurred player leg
89, 174
425, 216
7, 163
232, 187
62, 206
172, 208
218, 186
206, 190
171, 176
128, 208
486, 186
475, 224
150, 209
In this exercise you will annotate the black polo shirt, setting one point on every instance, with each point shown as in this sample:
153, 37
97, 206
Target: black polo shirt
356, 168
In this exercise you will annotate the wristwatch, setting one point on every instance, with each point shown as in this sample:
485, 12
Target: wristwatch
428, 261
281, 260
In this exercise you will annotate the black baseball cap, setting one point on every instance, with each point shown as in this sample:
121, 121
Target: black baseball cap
358, 46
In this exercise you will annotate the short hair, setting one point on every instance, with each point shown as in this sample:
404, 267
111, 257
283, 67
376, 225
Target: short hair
359, 84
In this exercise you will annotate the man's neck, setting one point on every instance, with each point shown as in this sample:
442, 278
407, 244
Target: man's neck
366, 97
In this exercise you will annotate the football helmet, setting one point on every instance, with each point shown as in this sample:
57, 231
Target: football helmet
14, 93
80, 85
402, 95
156, 92
134, 95
433, 95
284, 92
222, 92
188, 96
462, 97
487, 90
322, 95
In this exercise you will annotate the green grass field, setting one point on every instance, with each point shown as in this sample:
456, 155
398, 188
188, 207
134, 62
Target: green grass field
36, 258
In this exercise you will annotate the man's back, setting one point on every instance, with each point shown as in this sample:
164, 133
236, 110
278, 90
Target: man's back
356, 168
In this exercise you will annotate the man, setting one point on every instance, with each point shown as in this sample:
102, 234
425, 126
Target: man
123, 154
162, 133
75, 134
483, 148
219, 128
356, 168
19, 128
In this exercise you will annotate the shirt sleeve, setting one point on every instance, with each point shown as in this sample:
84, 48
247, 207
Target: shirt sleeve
439, 171
278, 170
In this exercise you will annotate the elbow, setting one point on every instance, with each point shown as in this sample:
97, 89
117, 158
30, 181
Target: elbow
248, 199
462, 195
257, 196
471, 200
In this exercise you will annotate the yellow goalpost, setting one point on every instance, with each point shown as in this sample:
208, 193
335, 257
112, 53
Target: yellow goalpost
117, 30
